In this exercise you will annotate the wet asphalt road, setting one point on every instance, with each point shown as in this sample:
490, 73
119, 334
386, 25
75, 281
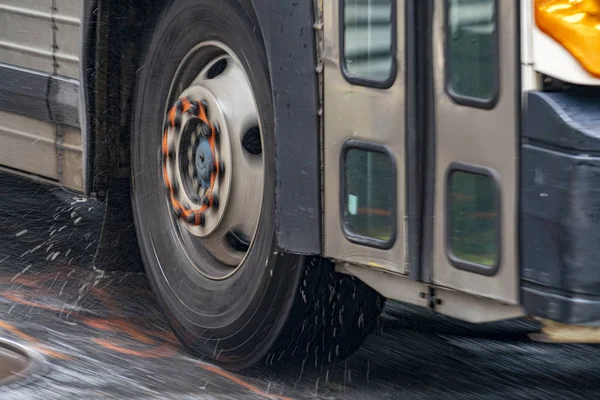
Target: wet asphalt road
103, 337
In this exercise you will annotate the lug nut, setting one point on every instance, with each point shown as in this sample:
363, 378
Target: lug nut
194, 108
202, 219
215, 201
191, 217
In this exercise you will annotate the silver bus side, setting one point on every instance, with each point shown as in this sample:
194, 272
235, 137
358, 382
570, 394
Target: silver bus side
39, 92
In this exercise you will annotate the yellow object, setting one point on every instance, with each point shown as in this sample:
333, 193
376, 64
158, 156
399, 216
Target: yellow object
556, 332
575, 24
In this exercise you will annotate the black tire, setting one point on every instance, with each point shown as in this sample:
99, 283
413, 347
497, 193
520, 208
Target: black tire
238, 321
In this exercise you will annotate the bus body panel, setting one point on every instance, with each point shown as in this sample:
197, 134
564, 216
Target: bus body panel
364, 135
39, 97
477, 100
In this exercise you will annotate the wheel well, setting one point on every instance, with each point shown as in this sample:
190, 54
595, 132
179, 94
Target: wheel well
113, 33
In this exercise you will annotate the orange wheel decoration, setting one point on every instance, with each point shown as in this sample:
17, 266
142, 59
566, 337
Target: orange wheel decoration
173, 127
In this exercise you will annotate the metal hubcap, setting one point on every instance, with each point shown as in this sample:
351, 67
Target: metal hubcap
211, 153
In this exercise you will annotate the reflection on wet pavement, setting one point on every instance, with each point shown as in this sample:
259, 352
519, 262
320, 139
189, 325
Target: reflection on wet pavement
104, 337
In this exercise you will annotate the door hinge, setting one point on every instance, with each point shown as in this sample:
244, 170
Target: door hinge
430, 296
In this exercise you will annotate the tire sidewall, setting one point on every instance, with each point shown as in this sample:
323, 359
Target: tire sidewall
237, 318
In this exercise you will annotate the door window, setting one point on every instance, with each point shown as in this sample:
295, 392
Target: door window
368, 184
472, 52
368, 41
473, 226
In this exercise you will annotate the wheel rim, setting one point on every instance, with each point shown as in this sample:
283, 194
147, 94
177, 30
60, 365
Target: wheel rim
211, 156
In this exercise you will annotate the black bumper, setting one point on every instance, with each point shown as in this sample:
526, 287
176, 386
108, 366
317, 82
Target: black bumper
560, 207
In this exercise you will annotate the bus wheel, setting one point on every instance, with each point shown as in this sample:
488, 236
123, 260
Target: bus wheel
203, 177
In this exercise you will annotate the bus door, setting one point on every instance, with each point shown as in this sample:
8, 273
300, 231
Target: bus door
364, 125
475, 104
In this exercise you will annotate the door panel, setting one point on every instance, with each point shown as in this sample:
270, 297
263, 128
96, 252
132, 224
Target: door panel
476, 102
364, 169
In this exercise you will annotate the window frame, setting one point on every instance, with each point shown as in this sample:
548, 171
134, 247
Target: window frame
456, 261
389, 81
470, 101
349, 235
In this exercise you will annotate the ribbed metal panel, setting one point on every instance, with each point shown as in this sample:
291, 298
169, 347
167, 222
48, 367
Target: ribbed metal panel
40, 42
41, 34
